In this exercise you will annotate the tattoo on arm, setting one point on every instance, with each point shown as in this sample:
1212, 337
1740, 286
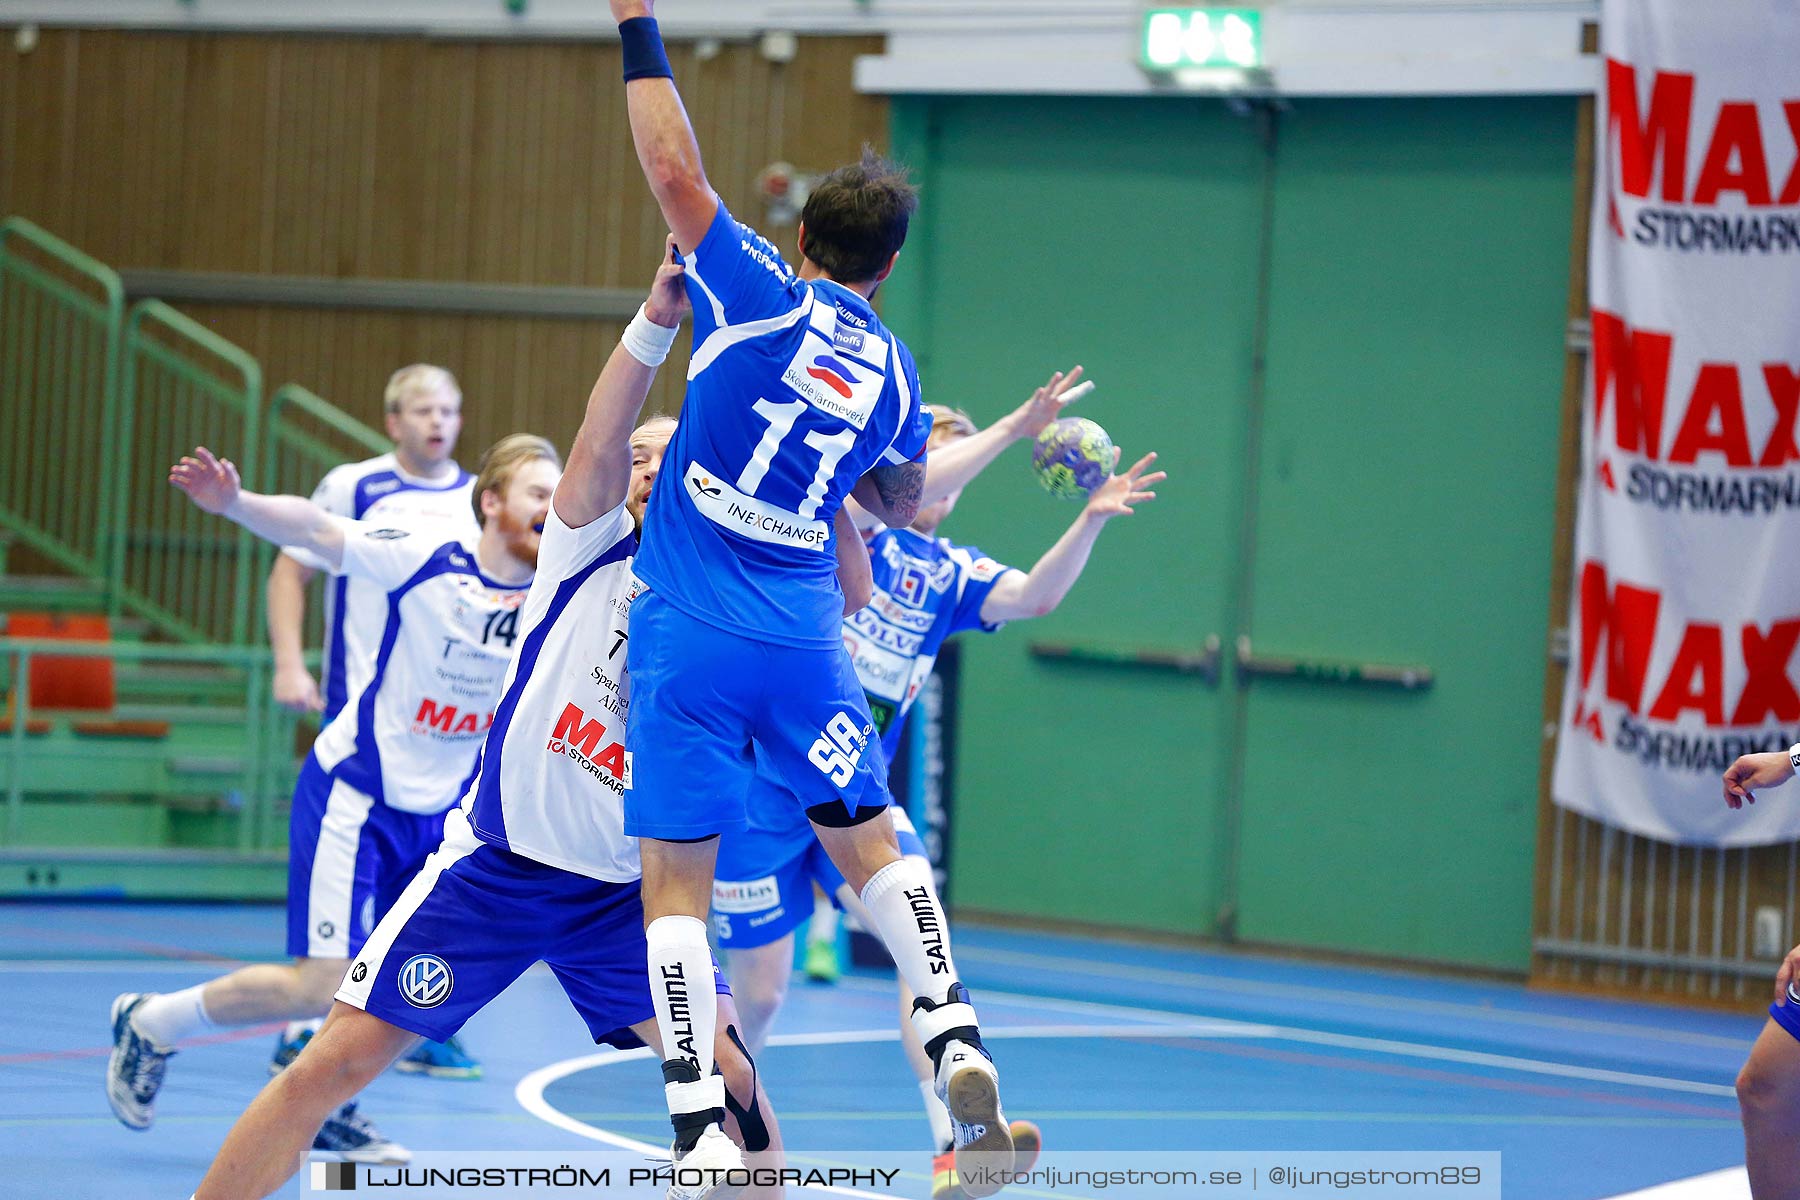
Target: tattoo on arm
900, 489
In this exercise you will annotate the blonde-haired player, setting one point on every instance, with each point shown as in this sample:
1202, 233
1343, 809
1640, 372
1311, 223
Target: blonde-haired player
418, 480
369, 805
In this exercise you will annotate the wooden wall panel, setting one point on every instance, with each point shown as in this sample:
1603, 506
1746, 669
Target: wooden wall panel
399, 158
392, 157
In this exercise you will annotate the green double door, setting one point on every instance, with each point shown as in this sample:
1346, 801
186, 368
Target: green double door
1393, 504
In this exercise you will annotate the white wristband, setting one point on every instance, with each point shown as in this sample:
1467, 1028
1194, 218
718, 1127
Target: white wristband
647, 341
1794, 756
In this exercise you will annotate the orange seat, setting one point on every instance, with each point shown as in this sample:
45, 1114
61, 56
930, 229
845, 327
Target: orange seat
70, 684
62, 683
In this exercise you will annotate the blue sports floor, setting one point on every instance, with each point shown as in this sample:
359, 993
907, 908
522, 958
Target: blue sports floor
1106, 1045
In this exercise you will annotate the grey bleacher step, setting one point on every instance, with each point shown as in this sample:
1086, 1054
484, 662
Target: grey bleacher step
182, 714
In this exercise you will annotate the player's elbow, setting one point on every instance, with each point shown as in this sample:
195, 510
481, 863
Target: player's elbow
857, 594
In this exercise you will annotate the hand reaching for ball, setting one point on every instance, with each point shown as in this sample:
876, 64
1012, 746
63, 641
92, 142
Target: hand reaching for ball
1117, 496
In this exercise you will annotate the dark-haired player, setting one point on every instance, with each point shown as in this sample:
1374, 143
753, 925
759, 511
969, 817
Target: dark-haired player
798, 396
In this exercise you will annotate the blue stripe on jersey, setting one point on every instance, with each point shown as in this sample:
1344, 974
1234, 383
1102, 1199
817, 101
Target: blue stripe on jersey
337, 692
362, 770
486, 815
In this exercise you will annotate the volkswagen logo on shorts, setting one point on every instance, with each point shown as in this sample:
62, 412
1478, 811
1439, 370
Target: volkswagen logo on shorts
425, 980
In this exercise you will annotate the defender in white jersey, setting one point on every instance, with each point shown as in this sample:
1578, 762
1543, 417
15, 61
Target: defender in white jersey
418, 481
416, 484
535, 863
368, 805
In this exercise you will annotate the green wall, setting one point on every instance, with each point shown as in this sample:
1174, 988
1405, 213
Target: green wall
1414, 296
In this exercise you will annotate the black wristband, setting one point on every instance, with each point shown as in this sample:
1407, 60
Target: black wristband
644, 54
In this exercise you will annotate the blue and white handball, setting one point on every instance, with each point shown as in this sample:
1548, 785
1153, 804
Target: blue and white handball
1072, 457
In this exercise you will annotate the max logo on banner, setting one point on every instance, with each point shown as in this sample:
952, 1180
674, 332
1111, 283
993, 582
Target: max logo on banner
1619, 624
1736, 158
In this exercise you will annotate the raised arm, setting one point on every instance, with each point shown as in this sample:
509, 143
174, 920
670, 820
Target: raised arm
1033, 594
953, 465
599, 469
666, 148
212, 484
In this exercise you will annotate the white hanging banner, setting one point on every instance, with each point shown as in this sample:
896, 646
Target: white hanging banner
1686, 613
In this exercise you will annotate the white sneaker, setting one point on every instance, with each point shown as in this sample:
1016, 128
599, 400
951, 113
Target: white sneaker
134, 1070
701, 1173
969, 1086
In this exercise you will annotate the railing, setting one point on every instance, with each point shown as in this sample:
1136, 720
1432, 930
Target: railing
252, 783
183, 385
60, 333
304, 437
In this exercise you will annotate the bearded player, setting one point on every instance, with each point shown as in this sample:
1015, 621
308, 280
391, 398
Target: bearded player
368, 805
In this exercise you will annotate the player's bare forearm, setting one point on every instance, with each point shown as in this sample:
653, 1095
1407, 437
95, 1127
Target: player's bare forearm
952, 467
670, 157
855, 572
286, 593
1036, 593
892, 493
290, 521
599, 470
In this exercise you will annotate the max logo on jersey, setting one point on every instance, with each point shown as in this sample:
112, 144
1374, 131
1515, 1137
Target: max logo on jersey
450, 719
839, 748
834, 374
578, 739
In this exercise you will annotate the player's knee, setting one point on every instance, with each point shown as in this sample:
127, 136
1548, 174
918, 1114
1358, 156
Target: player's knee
1764, 1088
315, 985
758, 998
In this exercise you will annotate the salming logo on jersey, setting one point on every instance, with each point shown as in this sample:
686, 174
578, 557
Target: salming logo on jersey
579, 738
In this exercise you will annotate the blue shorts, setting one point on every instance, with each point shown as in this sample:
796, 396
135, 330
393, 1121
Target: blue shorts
349, 858
477, 916
705, 704
1788, 1015
762, 884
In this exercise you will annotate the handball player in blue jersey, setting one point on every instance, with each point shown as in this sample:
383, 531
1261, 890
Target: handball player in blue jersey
926, 588
798, 396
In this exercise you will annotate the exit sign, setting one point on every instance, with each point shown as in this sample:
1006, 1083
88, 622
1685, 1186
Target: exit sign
1176, 39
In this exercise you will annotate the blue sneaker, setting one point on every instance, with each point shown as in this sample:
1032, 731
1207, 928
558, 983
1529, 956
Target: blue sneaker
288, 1049
134, 1071
440, 1060
352, 1137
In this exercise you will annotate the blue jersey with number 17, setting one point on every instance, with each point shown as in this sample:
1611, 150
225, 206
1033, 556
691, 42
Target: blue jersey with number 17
795, 391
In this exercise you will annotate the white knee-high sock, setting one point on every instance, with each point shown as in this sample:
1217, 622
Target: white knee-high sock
168, 1018
681, 986
904, 903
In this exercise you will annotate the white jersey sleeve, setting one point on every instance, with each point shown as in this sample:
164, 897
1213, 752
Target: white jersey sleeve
336, 494
387, 555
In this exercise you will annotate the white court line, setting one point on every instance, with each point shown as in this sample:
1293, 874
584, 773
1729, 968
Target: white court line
1733, 1183
1293, 1033
1019, 958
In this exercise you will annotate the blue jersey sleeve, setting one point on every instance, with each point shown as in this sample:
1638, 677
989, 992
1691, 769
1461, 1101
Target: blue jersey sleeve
976, 575
735, 276
915, 425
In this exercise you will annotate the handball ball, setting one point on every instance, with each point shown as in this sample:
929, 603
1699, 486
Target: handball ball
1072, 457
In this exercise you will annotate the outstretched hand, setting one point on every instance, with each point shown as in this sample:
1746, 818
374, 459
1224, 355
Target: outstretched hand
1117, 495
1047, 403
1753, 771
210, 482
668, 304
